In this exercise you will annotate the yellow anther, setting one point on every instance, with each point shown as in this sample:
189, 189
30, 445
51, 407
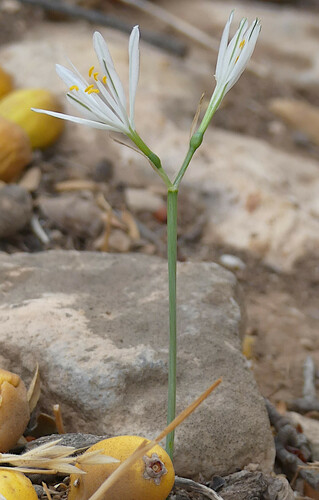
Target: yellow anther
89, 87
91, 70
242, 43
95, 76
74, 87
104, 79
93, 91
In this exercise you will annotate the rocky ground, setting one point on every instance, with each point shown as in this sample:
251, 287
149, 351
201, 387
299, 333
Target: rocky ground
251, 191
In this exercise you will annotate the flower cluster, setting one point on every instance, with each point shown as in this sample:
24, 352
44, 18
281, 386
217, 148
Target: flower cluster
103, 103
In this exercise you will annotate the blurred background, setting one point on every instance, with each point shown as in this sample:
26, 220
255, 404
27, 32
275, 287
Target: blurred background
249, 200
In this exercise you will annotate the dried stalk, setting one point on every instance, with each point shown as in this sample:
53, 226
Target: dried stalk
145, 447
175, 22
51, 458
189, 485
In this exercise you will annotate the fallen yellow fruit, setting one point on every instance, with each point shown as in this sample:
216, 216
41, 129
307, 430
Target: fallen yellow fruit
16, 486
14, 409
149, 478
43, 130
5, 83
15, 150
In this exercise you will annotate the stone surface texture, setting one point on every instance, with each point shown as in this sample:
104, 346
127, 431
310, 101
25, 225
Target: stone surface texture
97, 326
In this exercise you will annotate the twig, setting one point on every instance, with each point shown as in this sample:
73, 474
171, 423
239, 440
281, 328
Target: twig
175, 22
38, 230
309, 400
165, 42
189, 485
309, 373
287, 436
147, 446
58, 419
46, 490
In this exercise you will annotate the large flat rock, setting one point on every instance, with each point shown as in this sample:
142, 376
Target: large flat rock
97, 325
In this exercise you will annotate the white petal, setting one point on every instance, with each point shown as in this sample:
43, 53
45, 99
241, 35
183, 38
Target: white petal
223, 46
69, 77
100, 113
107, 66
76, 103
113, 105
233, 47
251, 38
134, 62
75, 119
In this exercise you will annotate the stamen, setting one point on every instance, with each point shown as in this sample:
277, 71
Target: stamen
89, 87
95, 91
242, 43
74, 87
91, 70
95, 75
104, 79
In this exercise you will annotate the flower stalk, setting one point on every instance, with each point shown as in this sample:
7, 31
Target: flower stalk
172, 194
102, 102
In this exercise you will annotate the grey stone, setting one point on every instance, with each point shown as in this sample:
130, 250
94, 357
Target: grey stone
15, 209
97, 325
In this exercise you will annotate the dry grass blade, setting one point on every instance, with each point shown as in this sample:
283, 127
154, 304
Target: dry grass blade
51, 458
195, 119
76, 185
192, 407
58, 419
145, 447
34, 390
46, 490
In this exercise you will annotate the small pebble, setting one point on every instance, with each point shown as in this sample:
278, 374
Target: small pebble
232, 262
73, 214
139, 200
119, 241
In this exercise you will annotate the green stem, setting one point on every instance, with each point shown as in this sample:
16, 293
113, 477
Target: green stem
195, 142
172, 258
153, 158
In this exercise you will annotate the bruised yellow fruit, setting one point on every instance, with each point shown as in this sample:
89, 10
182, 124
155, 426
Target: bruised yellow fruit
6, 84
16, 486
149, 478
43, 130
14, 409
15, 150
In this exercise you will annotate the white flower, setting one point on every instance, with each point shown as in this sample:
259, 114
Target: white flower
233, 58
102, 101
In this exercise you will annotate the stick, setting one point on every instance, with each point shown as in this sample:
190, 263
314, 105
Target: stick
175, 22
164, 42
309, 400
189, 485
145, 447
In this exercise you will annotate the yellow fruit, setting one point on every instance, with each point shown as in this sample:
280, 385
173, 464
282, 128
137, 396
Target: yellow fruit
16, 486
15, 150
14, 409
149, 478
43, 130
5, 83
